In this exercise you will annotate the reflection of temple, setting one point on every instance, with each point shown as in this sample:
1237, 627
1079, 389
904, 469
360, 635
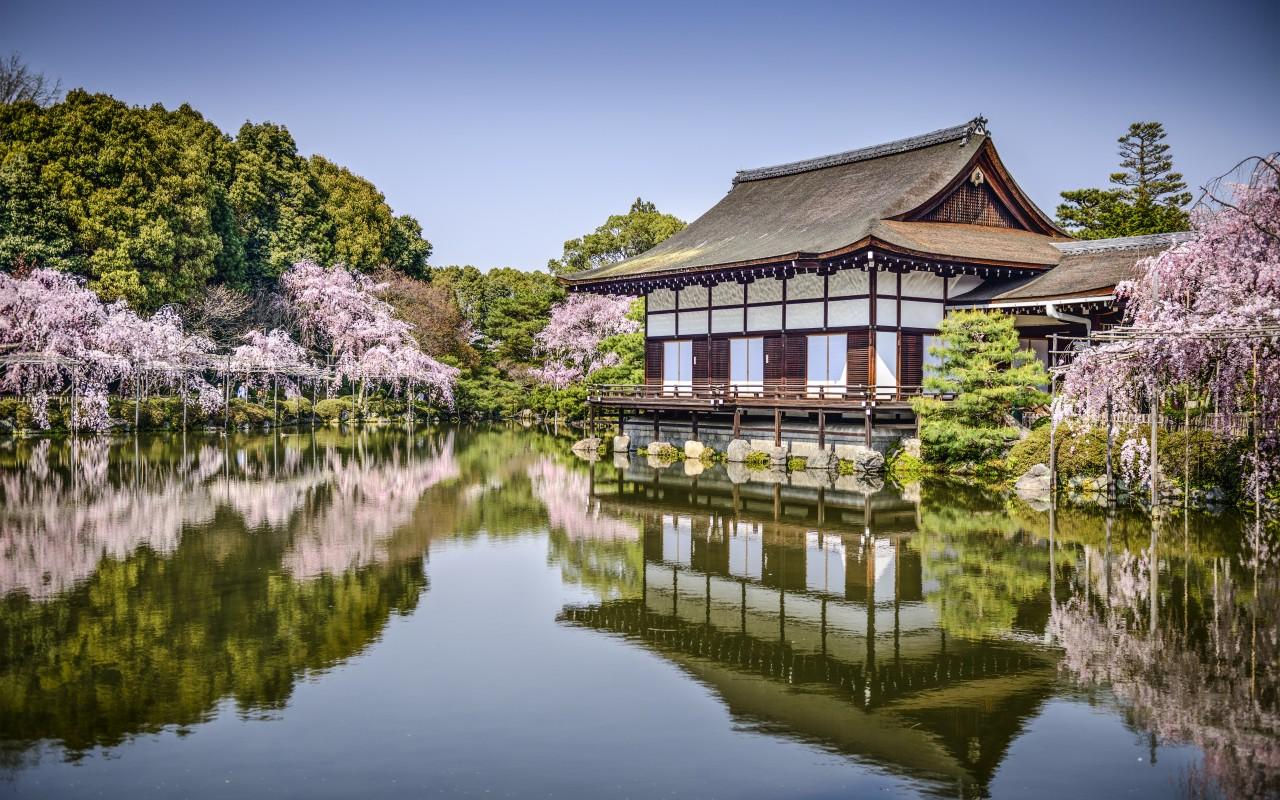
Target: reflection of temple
805, 609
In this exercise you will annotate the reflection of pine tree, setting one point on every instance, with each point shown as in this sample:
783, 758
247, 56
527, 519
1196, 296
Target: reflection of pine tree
985, 568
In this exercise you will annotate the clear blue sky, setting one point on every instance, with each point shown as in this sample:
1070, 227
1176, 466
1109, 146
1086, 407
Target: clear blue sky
508, 128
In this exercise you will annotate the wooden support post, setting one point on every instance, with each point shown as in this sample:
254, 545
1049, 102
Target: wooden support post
1053, 423
737, 423
822, 430
777, 427
694, 423
866, 426
226, 395
73, 419
657, 426
1155, 454
1111, 480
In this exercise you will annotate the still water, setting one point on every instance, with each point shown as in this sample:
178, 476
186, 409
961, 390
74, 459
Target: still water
474, 612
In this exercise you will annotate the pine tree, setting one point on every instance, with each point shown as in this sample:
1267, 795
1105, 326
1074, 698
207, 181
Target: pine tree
982, 368
1150, 197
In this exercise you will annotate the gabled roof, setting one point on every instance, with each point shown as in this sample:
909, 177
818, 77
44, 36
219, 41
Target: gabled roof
830, 205
1087, 268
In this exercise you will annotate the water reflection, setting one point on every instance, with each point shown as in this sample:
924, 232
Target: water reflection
142, 581
921, 632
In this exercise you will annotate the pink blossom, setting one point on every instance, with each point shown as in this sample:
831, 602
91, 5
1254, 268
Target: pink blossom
1225, 278
570, 342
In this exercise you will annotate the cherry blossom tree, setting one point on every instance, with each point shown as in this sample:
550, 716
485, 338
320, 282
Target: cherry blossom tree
51, 318
268, 359
570, 342
65, 339
340, 310
1200, 313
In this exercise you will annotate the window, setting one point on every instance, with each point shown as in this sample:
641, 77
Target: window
746, 364
677, 364
887, 362
828, 360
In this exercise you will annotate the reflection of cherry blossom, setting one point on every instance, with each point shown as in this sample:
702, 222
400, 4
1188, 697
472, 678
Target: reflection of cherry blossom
570, 508
368, 503
1186, 687
73, 504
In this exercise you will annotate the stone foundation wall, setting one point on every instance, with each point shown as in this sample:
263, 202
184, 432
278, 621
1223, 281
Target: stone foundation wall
716, 433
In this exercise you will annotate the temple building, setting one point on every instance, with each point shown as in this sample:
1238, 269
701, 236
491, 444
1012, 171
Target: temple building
813, 290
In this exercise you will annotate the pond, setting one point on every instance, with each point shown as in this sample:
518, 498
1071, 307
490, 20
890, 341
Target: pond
475, 612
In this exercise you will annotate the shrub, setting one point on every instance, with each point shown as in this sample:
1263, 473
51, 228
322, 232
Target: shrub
245, 413
335, 409
795, 463
904, 467
295, 408
16, 412
757, 459
1082, 452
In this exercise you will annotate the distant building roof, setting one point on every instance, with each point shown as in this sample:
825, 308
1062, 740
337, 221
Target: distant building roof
825, 206
1086, 268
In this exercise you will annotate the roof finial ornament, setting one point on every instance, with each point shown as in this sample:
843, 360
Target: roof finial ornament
977, 127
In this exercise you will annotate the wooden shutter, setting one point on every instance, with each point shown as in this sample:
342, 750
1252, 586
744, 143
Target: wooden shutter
858, 366
773, 361
720, 361
910, 360
653, 363
797, 364
701, 363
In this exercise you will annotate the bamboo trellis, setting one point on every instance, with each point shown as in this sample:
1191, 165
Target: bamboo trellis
199, 364
1061, 358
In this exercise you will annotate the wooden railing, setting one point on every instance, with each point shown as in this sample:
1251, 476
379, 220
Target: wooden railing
755, 394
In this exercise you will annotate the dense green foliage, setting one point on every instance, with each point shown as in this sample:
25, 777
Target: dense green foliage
621, 236
1209, 459
981, 365
158, 207
1149, 197
151, 204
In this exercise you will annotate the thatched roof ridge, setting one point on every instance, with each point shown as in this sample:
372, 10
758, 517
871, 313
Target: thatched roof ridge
1087, 268
960, 133
828, 206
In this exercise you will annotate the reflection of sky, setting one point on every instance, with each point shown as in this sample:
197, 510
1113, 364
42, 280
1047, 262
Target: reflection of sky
886, 563
677, 539
746, 550
824, 563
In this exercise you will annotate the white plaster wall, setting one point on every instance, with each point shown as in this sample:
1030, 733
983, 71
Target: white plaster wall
662, 324
764, 318
848, 312
726, 320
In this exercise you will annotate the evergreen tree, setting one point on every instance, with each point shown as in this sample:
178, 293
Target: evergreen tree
33, 224
981, 366
621, 236
152, 205
1149, 199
